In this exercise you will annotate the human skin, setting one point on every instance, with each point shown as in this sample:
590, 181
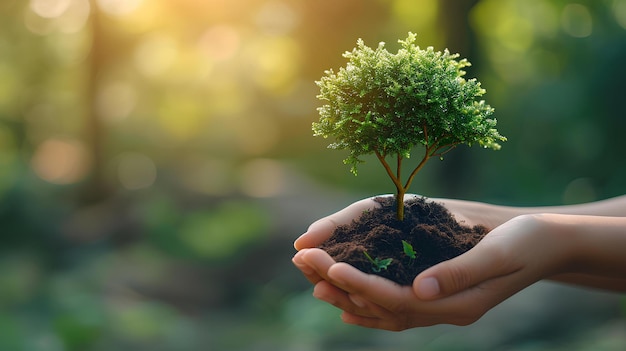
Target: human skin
580, 244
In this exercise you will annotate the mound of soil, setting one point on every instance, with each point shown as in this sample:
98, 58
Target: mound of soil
429, 227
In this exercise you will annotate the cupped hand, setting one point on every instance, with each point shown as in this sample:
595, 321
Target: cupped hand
458, 291
321, 230
469, 213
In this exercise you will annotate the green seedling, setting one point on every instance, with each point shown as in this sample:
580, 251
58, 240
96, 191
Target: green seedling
386, 104
378, 264
408, 249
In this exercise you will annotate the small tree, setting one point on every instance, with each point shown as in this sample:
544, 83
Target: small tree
387, 104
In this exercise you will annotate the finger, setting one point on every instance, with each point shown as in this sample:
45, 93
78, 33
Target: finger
375, 289
309, 273
483, 262
318, 260
387, 323
363, 321
323, 228
331, 294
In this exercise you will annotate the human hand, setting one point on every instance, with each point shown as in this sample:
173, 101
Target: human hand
322, 229
468, 212
459, 291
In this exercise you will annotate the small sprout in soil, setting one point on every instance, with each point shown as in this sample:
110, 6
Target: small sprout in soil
378, 264
408, 249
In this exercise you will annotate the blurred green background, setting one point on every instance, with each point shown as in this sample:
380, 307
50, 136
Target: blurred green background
156, 163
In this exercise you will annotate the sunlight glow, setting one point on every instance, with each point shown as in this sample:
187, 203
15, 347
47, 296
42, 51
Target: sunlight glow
220, 42
155, 54
49, 8
275, 62
277, 18
75, 17
118, 7
65, 16
420, 17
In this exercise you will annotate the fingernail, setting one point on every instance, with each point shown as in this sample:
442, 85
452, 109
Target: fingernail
295, 242
357, 300
297, 261
321, 297
428, 288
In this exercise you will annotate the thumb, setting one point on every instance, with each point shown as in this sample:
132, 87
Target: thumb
457, 274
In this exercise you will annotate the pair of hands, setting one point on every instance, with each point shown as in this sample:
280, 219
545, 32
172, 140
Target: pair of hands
459, 291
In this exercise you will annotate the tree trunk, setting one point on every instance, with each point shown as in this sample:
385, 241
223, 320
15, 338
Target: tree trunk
400, 203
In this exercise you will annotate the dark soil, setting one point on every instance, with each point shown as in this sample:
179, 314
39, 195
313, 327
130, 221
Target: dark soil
429, 227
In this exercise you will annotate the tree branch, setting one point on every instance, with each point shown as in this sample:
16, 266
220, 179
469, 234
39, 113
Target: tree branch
382, 160
449, 147
427, 156
399, 167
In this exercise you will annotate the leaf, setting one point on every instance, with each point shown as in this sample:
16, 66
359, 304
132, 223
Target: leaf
408, 249
389, 103
378, 264
382, 264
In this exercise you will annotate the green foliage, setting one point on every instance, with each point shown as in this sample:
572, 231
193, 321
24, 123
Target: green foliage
378, 264
408, 249
387, 104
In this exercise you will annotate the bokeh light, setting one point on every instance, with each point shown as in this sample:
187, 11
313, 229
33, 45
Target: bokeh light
50, 8
119, 7
263, 178
64, 16
115, 101
155, 54
61, 161
577, 21
136, 171
619, 11
220, 42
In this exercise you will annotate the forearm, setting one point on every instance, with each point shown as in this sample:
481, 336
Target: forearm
599, 244
613, 207
492, 216
594, 247
592, 281
594, 233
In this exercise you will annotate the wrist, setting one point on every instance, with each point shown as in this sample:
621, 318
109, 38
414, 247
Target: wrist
561, 242
586, 244
546, 243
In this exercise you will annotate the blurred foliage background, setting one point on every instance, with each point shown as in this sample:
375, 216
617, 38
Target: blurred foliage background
156, 163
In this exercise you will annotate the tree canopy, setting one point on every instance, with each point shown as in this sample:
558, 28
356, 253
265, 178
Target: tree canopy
388, 104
